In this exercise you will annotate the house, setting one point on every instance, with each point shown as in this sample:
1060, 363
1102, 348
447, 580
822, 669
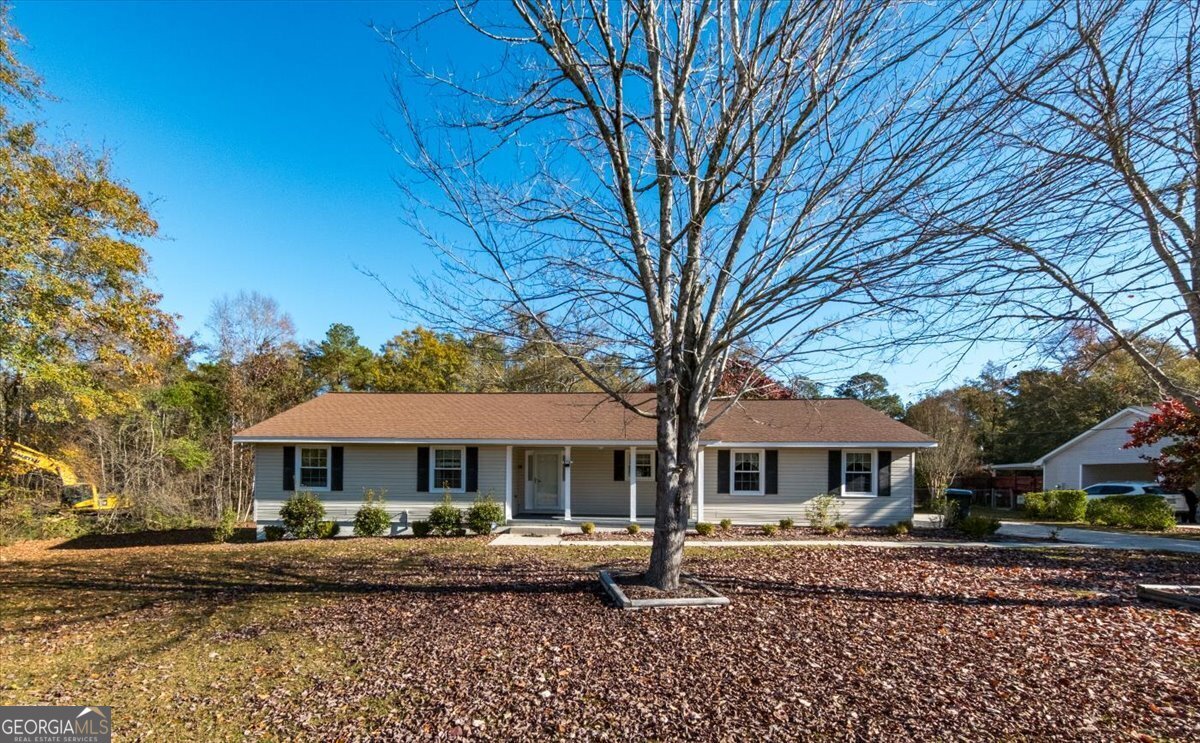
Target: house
1098, 455
579, 456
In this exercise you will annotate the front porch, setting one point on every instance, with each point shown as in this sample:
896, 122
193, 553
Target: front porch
610, 486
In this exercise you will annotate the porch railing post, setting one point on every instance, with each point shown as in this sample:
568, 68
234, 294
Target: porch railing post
700, 486
567, 483
632, 484
508, 484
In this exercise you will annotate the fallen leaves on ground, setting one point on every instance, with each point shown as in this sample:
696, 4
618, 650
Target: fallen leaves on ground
385, 639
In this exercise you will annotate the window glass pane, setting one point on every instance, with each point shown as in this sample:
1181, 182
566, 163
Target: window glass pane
447, 468
645, 465
859, 475
746, 471
314, 468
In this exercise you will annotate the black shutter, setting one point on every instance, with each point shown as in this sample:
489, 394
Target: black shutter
472, 469
656, 464
772, 473
885, 474
335, 472
422, 469
289, 468
835, 471
618, 464
722, 470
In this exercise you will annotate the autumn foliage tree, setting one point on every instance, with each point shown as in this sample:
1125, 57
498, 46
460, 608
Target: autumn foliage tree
1178, 465
79, 329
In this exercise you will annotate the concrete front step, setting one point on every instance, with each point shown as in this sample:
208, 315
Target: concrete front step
536, 531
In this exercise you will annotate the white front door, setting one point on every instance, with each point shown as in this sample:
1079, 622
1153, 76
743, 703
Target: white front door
544, 480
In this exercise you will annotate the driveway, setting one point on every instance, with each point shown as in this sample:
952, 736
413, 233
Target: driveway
1105, 539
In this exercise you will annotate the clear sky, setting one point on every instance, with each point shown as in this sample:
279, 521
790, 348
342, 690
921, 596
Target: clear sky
253, 129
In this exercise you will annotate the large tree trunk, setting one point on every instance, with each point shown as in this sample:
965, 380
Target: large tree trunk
678, 452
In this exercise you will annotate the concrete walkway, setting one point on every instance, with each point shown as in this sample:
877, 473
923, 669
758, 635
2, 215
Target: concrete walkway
1068, 537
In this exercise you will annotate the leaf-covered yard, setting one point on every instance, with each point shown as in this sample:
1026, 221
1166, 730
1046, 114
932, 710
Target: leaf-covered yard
348, 639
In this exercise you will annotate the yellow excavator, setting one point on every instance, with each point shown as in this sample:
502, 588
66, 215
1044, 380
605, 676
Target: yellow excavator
76, 495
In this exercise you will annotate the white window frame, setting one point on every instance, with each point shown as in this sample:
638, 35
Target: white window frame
434, 485
762, 471
874, 472
300, 486
653, 470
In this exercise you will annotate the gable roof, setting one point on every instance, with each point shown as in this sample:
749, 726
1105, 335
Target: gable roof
1143, 411
516, 417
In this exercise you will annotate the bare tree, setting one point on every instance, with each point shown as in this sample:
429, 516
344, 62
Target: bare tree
246, 324
944, 417
1083, 208
672, 181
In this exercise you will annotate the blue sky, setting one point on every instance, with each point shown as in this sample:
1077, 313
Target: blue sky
253, 129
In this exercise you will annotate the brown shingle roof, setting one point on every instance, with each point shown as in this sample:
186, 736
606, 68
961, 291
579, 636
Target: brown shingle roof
518, 417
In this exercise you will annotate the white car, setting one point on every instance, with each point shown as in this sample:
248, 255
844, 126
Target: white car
1105, 489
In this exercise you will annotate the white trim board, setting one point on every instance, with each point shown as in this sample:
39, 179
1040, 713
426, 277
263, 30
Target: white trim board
590, 442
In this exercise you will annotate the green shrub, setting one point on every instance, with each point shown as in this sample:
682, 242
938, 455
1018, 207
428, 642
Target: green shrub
1057, 505
301, 515
484, 514
786, 524
900, 528
770, 529
328, 530
226, 525
726, 524
705, 529
371, 521
422, 528
274, 533
446, 518
1149, 512
841, 525
633, 528
823, 512
979, 526
587, 527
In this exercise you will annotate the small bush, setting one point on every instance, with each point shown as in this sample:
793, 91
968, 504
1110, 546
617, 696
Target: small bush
979, 526
484, 514
900, 528
841, 525
1149, 512
226, 525
823, 512
328, 530
446, 518
770, 529
371, 521
587, 527
633, 528
301, 515
705, 529
1057, 505
274, 533
786, 524
422, 528
726, 524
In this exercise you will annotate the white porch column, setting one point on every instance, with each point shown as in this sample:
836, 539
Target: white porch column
700, 486
566, 483
508, 484
632, 454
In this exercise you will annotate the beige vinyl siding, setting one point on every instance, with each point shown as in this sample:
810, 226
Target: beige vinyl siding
1101, 447
382, 467
803, 475
593, 490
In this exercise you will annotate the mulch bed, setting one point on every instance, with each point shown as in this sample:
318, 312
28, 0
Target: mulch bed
755, 534
855, 643
634, 586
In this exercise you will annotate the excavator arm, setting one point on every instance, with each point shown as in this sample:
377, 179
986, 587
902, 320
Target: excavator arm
79, 496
